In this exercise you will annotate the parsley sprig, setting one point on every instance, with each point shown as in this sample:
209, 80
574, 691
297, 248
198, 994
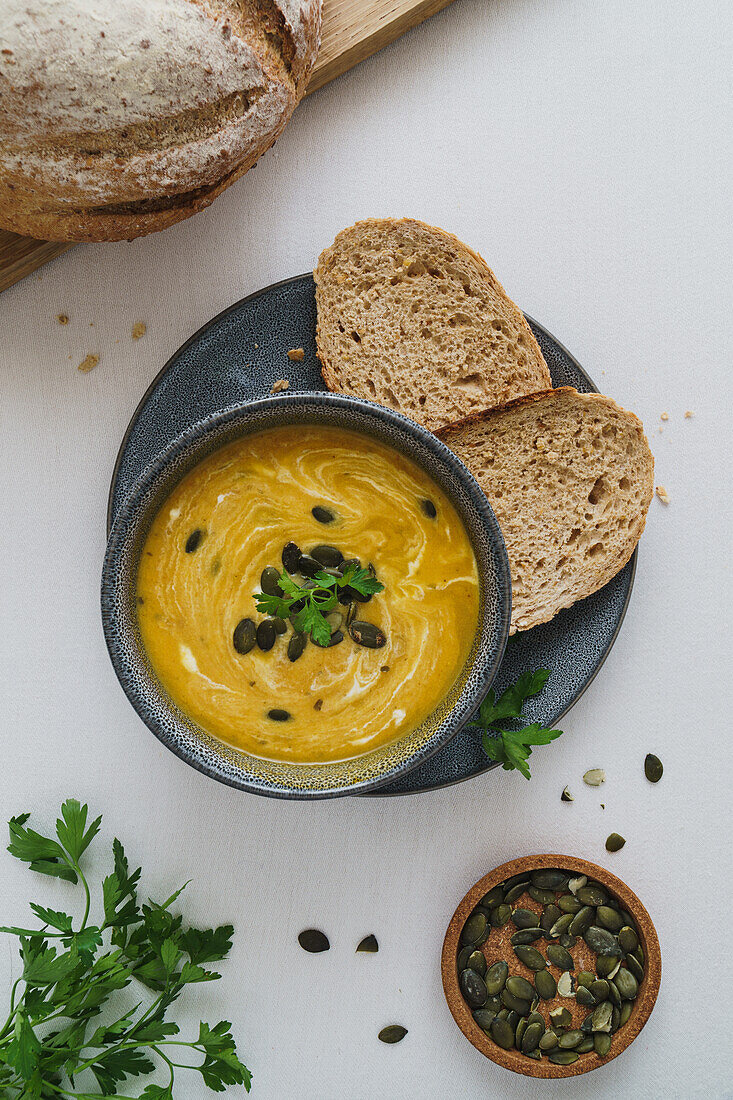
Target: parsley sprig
317, 601
72, 975
511, 748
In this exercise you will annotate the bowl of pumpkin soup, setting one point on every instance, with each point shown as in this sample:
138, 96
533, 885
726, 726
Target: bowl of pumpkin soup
306, 596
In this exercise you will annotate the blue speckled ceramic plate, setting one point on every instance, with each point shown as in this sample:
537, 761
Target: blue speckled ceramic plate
238, 356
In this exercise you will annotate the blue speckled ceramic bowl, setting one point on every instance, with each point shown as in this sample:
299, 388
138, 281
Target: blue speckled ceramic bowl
231, 765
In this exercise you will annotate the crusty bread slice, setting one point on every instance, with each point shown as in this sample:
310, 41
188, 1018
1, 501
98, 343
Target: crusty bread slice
570, 478
414, 319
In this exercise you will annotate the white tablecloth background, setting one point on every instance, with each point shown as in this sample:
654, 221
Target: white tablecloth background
581, 148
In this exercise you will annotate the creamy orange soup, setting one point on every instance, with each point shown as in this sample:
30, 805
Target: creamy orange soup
230, 518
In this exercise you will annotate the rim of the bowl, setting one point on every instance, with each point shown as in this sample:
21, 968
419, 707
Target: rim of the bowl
127, 517
643, 1005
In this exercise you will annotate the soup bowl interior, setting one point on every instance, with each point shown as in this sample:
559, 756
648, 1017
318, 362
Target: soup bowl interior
229, 764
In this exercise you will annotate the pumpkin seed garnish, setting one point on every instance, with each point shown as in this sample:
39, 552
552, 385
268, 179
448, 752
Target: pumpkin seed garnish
566, 796
594, 777
653, 768
393, 1033
280, 625
296, 646
429, 508
270, 580
194, 540
290, 557
244, 637
329, 556
614, 842
369, 945
266, 635
367, 634
314, 941
277, 715
322, 514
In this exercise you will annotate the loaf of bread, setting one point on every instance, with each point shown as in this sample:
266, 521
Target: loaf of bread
570, 479
121, 117
414, 319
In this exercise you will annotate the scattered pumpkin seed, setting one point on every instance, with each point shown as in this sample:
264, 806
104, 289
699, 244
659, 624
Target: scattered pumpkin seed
601, 1043
477, 962
584, 977
367, 634
308, 566
429, 508
278, 715
548, 1040
483, 1017
584, 996
545, 985
526, 935
570, 1040
474, 930
290, 557
530, 956
296, 645
494, 897
613, 994
599, 988
607, 966
515, 1004
515, 880
542, 897
562, 924
549, 879
614, 842
615, 1019
628, 939
520, 987
563, 1057
594, 777
329, 556
270, 581
531, 1038
194, 540
582, 921
592, 894
369, 944
626, 984
314, 941
473, 988
496, 976
322, 514
585, 1045
565, 984
266, 635
280, 625
550, 914
502, 1033
560, 957
566, 940
602, 941
609, 918
566, 796
635, 967
244, 637
515, 892
653, 768
500, 915
519, 1032
626, 1008
525, 918
568, 903
393, 1033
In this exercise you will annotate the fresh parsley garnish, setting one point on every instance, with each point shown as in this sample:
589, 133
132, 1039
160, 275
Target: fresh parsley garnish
53, 1043
317, 601
511, 747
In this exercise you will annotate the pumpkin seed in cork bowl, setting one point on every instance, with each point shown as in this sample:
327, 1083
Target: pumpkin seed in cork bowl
551, 966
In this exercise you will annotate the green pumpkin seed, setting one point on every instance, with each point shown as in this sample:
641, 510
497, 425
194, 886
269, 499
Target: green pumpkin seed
313, 941
550, 914
515, 892
393, 1033
516, 879
585, 1045
635, 967
545, 985
334, 620
296, 645
548, 1041
543, 897
628, 938
614, 842
244, 637
584, 996
653, 768
639, 952
534, 1055
477, 962
549, 879
473, 988
525, 918
562, 924
575, 883
367, 634
520, 1032
566, 796
329, 556
530, 956
194, 540
562, 1057
615, 1019
494, 897
474, 930
278, 715
496, 976
369, 944
581, 922
560, 957
493, 1003
584, 977
513, 1019
607, 966
463, 956
602, 941
567, 941
570, 1040
500, 915
483, 1017
626, 1009
613, 994
609, 918
594, 777
601, 1043
280, 625
587, 1026
565, 984
560, 1017
290, 557
601, 1017
520, 987
266, 635
502, 1033
428, 508
592, 894
515, 1004
599, 988
270, 581
503, 1014
531, 1039
626, 984
322, 514
568, 903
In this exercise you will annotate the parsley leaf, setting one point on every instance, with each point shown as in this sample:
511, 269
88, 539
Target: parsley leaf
512, 747
73, 974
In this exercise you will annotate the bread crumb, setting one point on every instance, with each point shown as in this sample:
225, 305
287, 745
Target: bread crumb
689, 414
62, 318
280, 385
664, 416
296, 355
139, 329
87, 364
662, 494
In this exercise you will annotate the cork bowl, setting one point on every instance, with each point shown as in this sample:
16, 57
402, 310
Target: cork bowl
513, 1059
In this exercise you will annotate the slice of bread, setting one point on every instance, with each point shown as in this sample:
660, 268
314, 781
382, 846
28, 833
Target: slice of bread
570, 478
414, 319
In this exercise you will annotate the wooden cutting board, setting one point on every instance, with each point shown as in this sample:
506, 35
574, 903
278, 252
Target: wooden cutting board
352, 31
